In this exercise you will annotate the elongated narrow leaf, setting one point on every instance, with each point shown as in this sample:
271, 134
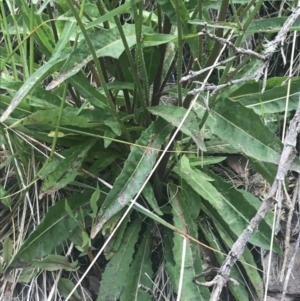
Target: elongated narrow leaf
40, 74
7, 249
225, 203
174, 115
109, 15
55, 262
267, 25
36, 78
168, 7
267, 170
39, 97
65, 171
140, 272
53, 230
5, 198
136, 169
116, 274
271, 25
244, 130
212, 24
20, 111
70, 117
271, 101
43, 33
88, 91
115, 242
27, 274
105, 42
148, 193
192, 265
247, 205
150, 40
65, 286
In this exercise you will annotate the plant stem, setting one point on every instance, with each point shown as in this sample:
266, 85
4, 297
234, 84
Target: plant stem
99, 70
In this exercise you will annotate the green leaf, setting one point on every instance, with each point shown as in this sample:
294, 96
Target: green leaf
70, 117
270, 25
116, 274
7, 250
106, 42
65, 171
151, 57
27, 274
44, 71
39, 97
170, 55
267, 25
20, 111
86, 242
5, 197
89, 92
69, 211
267, 170
43, 34
109, 15
150, 40
109, 133
192, 264
168, 254
113, 124
217, 4
35, 79
207, 160
56, 262
244, 130
65, 286
140, 272
64, 38
192, 197
174, 115
115, 242
148, 194
56, 227
217, 146
246, 206
271, 101
231, 207
213, 24
168, 8
136, 169
93, 202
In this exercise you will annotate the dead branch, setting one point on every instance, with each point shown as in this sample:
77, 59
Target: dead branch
290, 267
269, 49
287, 156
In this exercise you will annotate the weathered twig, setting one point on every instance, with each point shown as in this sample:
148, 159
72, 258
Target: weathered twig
287, 156
193, 74
213, 88
211, 272
290, 267
237, 50
288, 232
148, 291
269, 49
